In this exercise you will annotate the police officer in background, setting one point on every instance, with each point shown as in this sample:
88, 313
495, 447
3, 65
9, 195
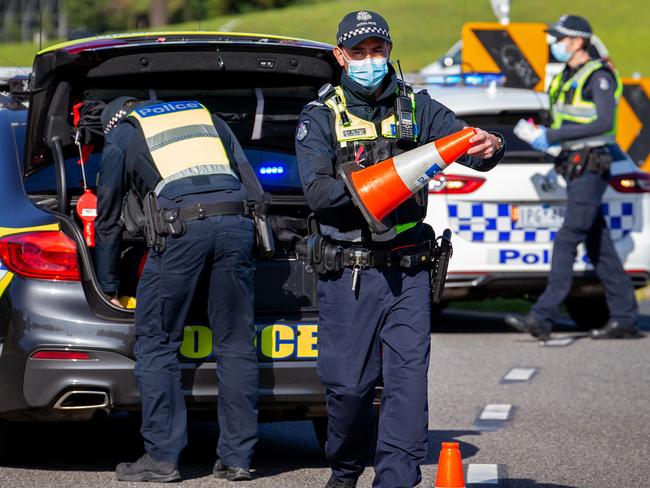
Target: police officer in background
374, 317
188, 170
584, 99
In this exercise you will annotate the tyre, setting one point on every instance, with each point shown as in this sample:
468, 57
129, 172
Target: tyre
588, 313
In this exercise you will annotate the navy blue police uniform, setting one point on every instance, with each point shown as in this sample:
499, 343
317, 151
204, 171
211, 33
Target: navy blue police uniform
376, 325
191, 160
584, 101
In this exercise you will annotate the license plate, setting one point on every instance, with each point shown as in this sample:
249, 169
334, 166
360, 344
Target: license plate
538, 216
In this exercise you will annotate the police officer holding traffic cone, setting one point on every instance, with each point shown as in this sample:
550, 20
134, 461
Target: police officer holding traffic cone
374, 287
198, 194
584, 99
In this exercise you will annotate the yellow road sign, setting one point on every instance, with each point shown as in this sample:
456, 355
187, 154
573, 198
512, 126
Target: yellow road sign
518, 50
633, 134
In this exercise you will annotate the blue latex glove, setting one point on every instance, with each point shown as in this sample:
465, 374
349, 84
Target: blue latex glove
540, 143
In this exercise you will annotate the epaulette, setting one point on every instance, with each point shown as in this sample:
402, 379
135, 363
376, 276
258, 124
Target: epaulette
325, 91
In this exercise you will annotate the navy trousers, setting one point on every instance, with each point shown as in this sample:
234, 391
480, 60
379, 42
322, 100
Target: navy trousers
584, 222
383, 329
220, 246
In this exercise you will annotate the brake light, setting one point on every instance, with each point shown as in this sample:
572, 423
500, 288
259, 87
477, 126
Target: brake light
631, 183
62, 355
454, 184
47, 255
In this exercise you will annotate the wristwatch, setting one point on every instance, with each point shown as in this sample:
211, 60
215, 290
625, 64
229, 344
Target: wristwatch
499, 143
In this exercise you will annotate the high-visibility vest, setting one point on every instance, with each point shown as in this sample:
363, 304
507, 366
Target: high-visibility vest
350, 129
568, 104
182, 141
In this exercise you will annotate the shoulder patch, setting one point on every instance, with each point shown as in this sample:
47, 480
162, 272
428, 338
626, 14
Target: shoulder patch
603, 83
302, 130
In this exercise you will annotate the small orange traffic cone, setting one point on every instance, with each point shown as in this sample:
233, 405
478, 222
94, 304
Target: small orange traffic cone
450, 467
381, 188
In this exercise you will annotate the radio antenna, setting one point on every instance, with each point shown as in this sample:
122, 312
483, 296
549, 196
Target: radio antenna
401, 75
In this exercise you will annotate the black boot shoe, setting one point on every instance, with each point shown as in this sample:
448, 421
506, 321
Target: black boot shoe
148, 469
336, 483
615, 330
531, 325
231, 473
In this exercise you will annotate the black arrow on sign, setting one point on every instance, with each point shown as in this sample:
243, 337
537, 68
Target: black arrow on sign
636, 96
508, 57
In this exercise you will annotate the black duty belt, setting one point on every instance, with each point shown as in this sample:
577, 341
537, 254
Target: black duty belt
407, 257
201, 211
326, 256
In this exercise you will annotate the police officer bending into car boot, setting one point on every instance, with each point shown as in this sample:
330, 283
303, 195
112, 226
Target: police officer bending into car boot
189, 172
584, 99
374, 317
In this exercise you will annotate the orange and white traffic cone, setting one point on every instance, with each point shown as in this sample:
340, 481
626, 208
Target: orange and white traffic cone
450, 467
381, 188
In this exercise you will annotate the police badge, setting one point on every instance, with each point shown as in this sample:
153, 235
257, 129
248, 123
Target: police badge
302, 131
363, 15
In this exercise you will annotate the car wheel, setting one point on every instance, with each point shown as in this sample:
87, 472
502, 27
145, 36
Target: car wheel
588, 313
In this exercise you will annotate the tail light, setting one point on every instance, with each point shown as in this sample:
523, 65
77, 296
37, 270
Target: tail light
631, 183
454, 184
62, 355
47, 255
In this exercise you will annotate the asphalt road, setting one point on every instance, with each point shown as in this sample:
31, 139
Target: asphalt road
581, 420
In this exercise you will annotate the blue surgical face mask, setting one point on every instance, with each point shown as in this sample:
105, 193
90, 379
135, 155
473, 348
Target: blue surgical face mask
560, 52
368, 72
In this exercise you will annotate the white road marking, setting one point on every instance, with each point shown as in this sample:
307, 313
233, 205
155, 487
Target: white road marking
559, 342
486, 474
496, 411
519, 374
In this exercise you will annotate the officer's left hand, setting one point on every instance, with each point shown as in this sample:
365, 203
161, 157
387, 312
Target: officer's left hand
485, 145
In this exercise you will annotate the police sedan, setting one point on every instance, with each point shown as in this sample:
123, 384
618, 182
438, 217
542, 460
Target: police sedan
504, 222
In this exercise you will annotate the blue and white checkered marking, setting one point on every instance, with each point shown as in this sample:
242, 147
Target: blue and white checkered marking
492, 222
3, 270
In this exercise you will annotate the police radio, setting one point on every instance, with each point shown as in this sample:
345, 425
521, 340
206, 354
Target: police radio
405, 128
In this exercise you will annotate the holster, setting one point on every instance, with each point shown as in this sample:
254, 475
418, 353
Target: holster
442, 253
573, 164
263, 235
132, 215
160, 223
323, 256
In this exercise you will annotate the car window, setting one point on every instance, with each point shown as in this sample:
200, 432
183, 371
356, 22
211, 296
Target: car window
18, 131
504, 124
44, 179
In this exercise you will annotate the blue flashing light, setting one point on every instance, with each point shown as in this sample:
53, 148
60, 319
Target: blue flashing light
271, 170
468, 79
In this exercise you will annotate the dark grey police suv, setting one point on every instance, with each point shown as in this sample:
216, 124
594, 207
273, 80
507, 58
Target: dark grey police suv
65, 350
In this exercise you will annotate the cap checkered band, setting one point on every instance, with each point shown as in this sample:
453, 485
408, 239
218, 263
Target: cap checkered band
570, 32
114, 121
363, 30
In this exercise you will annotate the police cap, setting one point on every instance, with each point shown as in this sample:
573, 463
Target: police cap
360, 25
570, 26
